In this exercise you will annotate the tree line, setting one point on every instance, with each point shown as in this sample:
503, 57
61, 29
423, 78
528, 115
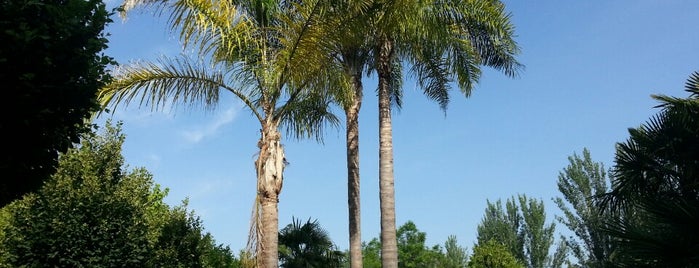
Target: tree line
642, 212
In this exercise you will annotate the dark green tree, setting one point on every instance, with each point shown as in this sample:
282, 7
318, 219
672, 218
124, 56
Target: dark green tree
581, 185
182, 242
307, 245
94, 213
90, 213
51, 67
492, 254
655, 187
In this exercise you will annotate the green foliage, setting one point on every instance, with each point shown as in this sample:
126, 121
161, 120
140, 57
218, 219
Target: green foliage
307, 245
581, 183
492, 254
371, 253
503, 225
655, 187
521, 227
455, 256
88, 214
52, 68
412, 251
92, 213
538, 236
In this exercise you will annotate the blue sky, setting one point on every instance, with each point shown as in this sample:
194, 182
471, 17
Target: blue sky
591, 67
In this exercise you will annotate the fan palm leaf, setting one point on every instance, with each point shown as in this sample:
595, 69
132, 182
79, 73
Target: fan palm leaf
655, 190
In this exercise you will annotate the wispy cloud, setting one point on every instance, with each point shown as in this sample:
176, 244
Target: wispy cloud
222, 119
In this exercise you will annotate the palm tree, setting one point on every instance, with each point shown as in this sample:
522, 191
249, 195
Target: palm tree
350, 51
441, 40
655, 187
307, 245
253, 50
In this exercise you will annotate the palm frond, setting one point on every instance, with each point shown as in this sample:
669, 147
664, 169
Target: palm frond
218, 28
254, 233
692, 85
433, 75
488, 26
662, 233
396, 84
308, 116
169, 81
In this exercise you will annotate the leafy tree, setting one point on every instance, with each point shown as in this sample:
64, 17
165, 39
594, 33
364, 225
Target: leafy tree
93, 213
538, 236
655, 187
52, 68
503, 225
217, 255
522, 229
265, 54
455, 256
412, 251
581, 184
371, 253
492, 254
442, 41
89, 213
307, 245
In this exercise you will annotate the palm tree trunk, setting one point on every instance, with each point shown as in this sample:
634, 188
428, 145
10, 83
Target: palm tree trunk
270, 168
389, 248
353, 189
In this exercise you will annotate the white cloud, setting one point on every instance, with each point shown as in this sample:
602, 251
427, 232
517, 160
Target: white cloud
154, 159
222, 119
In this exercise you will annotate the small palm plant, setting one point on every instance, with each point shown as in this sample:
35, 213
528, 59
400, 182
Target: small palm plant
307, 245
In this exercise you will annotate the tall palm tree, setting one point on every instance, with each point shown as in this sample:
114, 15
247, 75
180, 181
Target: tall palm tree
254, 49
441, 41
350, 51
350, 42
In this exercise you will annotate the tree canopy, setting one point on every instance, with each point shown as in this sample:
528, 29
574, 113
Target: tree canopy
493, 254
521, 227
52, 67
581, 185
